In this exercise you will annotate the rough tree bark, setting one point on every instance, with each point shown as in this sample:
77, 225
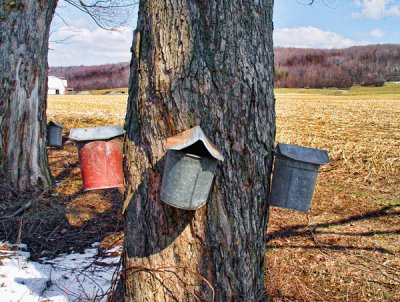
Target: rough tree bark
24, 38
207, 63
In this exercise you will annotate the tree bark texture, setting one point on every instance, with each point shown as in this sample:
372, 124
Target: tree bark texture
207, 63
24, 38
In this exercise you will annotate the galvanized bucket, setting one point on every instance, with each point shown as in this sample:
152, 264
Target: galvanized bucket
189, 170
294, 176
100, 156
54, 134
96, 133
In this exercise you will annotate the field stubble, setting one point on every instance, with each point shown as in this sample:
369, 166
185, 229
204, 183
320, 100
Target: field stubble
347, 248
87, 110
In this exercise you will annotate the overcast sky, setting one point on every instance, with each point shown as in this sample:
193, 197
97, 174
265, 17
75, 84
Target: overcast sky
326, 24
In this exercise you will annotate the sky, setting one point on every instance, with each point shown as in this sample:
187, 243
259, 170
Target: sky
325, 24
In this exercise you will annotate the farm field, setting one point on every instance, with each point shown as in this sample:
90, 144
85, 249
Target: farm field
346, 249
87, 110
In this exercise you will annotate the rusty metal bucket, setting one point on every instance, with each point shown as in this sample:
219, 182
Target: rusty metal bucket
294, 176
189, 169
100, 156
54, 134
101, 164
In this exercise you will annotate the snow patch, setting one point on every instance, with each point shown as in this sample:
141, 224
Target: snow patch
72, 277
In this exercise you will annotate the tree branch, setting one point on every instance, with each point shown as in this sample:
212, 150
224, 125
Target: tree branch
107, 14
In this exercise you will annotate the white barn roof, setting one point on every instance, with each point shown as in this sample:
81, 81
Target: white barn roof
56, 85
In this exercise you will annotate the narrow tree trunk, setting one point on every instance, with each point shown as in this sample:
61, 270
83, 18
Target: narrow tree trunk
207, 63
23, 51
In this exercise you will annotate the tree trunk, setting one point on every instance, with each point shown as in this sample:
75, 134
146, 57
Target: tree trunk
207, 63
24, 37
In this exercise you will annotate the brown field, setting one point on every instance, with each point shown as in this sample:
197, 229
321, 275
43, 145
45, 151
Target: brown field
87, 110
348, 247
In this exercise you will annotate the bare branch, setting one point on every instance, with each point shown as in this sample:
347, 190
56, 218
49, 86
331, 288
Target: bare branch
64, 41
55, 29
328, 3
107, 14
66, 23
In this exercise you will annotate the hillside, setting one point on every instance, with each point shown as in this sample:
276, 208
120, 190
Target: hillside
370, 65
94, 77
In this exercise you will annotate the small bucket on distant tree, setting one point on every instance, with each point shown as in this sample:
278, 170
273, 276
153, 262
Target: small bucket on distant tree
54, 134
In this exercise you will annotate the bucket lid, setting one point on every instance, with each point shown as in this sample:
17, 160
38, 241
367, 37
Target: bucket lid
304, 154
190, 137
53, 123
96, 133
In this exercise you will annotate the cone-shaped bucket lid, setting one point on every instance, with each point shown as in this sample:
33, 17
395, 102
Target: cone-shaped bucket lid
304, 154
190, 137
53, 123
96, 133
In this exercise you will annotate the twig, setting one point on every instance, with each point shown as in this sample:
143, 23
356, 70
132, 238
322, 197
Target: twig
20, 210
47, 285
114, 280
98, 256
20, 230
384, 274
394, 271
137, 269
306, 290
388, 276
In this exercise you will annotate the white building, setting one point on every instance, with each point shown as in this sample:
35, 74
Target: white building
56, 85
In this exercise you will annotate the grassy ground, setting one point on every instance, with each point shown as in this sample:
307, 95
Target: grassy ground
66, 218
389, 90
346, 249
87, 110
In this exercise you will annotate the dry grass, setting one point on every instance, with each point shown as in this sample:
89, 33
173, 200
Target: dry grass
349, 249
87, 110
67, 218
109, 91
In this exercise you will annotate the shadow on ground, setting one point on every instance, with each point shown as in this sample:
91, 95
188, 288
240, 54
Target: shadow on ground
299, 230
64, 219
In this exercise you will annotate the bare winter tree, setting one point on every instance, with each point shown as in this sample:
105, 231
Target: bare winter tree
24, 40
207, 63
23, 77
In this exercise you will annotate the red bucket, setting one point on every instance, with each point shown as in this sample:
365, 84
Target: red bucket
101, 164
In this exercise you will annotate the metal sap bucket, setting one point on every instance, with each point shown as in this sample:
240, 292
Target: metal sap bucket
294, 176
54, 134
189, 169
100, 156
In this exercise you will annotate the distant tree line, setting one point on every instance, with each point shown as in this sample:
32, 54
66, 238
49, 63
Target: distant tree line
371, 65
94, 77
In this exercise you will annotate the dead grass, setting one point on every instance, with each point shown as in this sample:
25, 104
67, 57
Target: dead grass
109, 91
349, 249
85, 207
87, 110
67, 218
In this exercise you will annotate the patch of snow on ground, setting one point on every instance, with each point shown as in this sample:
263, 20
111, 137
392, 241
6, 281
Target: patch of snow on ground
67, 278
